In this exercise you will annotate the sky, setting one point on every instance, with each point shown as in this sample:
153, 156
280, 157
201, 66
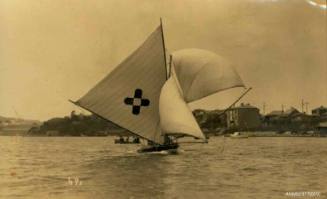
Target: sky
52, 51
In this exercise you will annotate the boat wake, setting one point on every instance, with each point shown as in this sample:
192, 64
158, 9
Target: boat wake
165, 152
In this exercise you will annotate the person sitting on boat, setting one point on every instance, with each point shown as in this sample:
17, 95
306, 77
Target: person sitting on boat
150, 143
167, 140
121, 139
136, 140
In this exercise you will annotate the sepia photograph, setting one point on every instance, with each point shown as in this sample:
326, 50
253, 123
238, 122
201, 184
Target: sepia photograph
163, 99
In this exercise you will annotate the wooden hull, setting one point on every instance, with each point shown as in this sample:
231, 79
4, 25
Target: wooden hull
239, 136
158, 148
125, 142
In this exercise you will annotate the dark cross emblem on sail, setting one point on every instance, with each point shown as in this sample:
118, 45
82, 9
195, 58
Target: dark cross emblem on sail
137, 101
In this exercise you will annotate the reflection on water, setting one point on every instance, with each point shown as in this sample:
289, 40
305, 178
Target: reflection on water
132, 175
82, 167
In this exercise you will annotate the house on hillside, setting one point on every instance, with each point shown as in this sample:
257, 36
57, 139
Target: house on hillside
244, 117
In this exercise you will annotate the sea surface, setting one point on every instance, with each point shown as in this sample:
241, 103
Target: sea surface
95, 167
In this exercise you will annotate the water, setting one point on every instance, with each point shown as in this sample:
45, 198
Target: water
85, 167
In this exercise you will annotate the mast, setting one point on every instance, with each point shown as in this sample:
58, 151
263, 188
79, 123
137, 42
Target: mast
164, 47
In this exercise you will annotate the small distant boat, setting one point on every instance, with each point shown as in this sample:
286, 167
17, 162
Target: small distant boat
127, 140
238, 135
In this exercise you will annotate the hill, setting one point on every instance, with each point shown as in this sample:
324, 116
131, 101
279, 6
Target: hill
14, 126
76, 125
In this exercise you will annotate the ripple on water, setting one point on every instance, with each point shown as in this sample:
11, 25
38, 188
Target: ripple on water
268, 167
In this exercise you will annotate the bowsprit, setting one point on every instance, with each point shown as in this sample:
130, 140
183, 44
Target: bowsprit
137, 101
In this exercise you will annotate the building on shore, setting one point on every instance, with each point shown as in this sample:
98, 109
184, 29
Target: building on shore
201, 116
322, 128
273, 119
289, 120
247, 118
210, 121
279, 119
319, 111
243, 118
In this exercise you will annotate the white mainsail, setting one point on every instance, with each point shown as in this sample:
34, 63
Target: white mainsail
129, 95
201, 73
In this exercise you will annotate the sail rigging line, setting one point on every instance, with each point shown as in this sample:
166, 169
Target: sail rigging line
77, 104
164, 47
170, 64
238, 99
158, 130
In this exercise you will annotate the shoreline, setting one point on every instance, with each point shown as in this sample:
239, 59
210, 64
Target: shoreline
226, 135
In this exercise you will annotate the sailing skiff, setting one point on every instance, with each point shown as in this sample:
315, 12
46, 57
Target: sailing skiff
149, 98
